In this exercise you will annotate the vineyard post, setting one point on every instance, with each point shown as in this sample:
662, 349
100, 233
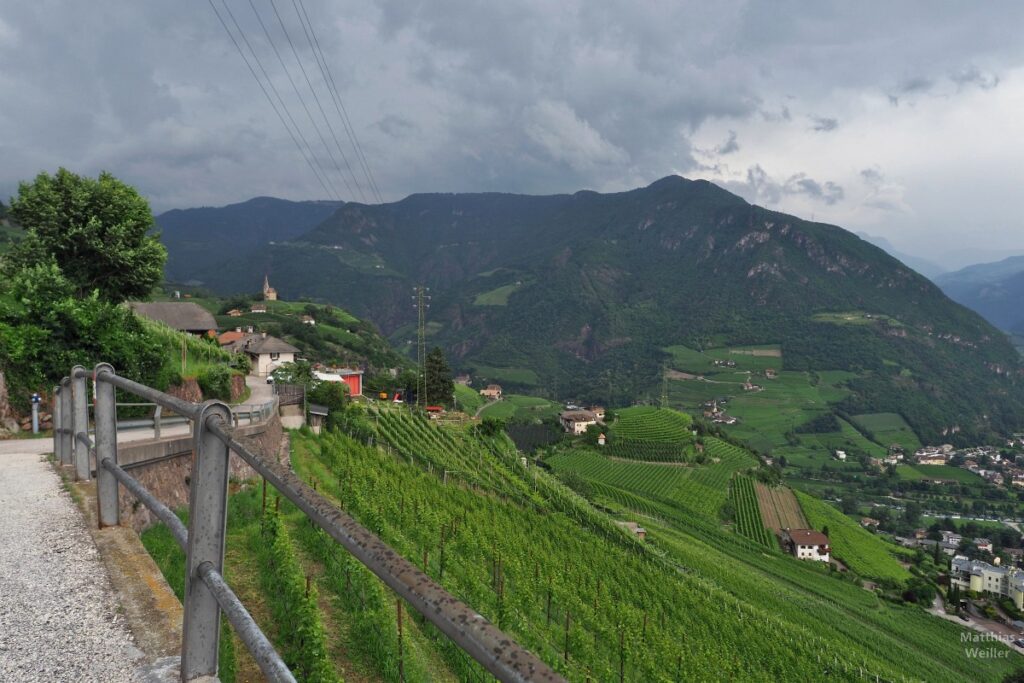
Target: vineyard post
622, 655
401, 663
566, 636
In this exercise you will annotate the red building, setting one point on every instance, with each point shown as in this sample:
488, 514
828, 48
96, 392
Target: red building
353, 379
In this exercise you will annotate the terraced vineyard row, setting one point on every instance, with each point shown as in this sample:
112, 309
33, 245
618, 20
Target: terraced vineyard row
779, 508
649, 451
748, 513
654, 480
647, 423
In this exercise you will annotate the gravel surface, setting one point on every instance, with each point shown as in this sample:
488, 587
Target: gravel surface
58, 613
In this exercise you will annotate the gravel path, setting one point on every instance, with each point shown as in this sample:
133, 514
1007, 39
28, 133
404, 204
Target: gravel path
58, 613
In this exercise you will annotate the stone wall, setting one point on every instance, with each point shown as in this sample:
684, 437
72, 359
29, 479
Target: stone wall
168, 475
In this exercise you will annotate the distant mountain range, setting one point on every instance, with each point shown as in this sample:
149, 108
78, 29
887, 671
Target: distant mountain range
200, 239
995, 290
581, 293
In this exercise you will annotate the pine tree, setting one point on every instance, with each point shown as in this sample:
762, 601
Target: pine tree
440, 388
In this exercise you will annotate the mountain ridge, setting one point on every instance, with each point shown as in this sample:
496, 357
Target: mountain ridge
566, 291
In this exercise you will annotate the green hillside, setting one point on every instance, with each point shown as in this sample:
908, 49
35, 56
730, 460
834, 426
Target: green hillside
691, 602
579, 295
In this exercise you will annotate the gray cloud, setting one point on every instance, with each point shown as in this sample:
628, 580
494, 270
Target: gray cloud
823, 124
729, 146
526, 96
761, 188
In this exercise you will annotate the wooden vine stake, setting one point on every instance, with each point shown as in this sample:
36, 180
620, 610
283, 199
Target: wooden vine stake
401, 661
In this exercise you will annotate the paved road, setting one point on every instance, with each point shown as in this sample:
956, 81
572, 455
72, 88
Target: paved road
58, 612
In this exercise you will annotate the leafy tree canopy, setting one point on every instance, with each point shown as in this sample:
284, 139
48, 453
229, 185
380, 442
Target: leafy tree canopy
98, 231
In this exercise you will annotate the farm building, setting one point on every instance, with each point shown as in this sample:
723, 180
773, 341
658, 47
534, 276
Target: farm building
267, 353
598, 411
840, 455
577, 421
258, 308
640, 532
491, 391
308, 320
317, 416
235, 313
181, 316
352, 378
806, 544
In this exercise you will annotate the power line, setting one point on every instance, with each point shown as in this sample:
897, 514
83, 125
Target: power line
273, 105
338, 104
316, 98
302, 100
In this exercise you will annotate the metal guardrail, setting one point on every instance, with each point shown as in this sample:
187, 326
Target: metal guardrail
207, 595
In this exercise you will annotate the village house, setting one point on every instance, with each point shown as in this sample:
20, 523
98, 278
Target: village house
983, 544
182, 316
770, 373
350, 377
806, 544
266, 353
235, 313
1015, 554
935, 459
269, 293
840, 455
464, 380
598, 411
981, 577
869, 522
492, 392
230, 337
258, 308
920, 533
576, 421
308, 320
601, 439
951, 537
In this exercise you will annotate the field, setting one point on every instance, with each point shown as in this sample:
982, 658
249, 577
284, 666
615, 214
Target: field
701, 489
496, 297
522, 408
753, 358
943, 472
888, 428
779, 508
860, 550
746, 507
468, 398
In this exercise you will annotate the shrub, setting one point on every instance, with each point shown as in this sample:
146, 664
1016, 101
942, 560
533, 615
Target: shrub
215, 381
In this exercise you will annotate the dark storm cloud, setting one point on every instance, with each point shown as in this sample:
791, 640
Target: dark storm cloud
525, 95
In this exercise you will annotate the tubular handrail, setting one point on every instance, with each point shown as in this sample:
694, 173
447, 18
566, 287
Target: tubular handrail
163, 513
207, 594
498, 653
248, 631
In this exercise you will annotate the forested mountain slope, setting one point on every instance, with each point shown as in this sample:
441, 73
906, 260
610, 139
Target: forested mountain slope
580, 293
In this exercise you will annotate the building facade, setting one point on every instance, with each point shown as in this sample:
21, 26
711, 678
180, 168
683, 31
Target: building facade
982, 577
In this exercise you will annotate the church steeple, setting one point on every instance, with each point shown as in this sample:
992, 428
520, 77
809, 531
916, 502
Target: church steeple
269, 293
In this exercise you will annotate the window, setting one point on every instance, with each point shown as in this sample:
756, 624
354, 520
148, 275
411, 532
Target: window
275, 356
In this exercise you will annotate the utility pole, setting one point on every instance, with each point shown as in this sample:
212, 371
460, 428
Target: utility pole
422, 304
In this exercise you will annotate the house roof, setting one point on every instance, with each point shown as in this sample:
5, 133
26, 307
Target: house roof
257, 343
230, 337
579, 416
807, 537
179, 315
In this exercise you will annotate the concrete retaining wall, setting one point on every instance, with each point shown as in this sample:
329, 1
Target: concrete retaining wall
164, 467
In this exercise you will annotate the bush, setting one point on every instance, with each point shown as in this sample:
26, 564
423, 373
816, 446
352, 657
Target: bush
215, 381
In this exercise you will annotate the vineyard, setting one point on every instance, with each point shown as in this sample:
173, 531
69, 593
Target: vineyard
859, 549
748, 512
651, 434
779, 508
693, 602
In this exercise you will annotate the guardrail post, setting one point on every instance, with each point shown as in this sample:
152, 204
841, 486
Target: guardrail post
55, 417
208, 508
107, 494
67, 421
80, 420
157, 419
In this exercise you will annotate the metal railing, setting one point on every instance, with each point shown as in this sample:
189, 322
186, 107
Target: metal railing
207, 594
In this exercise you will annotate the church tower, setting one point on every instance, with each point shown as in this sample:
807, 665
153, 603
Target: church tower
269, 293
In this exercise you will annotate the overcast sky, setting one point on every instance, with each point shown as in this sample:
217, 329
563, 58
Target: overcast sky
902, 120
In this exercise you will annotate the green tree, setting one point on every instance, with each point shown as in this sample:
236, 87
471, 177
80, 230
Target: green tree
98, 232
439, 385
